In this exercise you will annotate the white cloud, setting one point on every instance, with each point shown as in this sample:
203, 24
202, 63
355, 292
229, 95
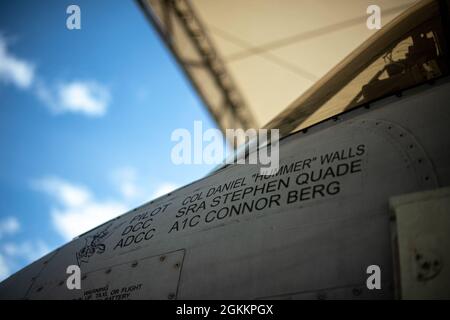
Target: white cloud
30, 251
70, 195
77, 210
125, 179
163, 189
71, 222
89, 97
14, 70
4, 269
11, 251
9, 226
14, 255
85, 97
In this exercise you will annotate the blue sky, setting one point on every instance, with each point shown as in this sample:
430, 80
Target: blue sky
85, 121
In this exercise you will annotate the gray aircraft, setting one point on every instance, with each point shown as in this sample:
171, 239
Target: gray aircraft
359, 207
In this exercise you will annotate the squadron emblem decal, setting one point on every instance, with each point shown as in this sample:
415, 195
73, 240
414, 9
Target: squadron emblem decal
94, 244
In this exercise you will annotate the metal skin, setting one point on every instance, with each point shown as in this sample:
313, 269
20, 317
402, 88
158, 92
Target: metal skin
308, 233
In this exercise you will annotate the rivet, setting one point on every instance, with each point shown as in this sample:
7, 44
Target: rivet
171, 296
177, 265
356, 291
321, 296
162, 258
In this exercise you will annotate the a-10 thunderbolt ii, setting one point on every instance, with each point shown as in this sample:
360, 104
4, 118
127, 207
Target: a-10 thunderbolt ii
359, 208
